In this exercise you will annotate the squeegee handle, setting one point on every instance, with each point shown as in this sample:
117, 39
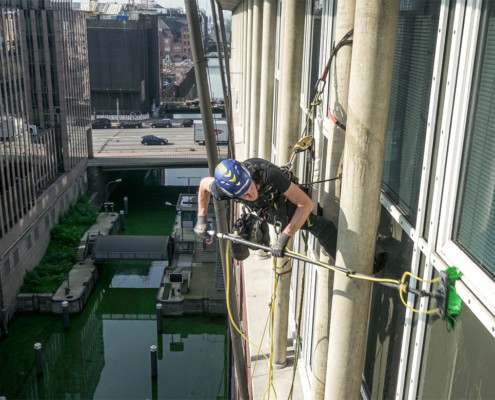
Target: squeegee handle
238, 239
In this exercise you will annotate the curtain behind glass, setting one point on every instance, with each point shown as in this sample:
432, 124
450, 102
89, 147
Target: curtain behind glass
475, 213
409, 103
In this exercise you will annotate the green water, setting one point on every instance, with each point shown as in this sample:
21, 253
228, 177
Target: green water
106, 352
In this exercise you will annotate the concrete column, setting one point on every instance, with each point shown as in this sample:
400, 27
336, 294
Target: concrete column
255, 78
267, 78
369, 96
338, 80
247, 94
287, 135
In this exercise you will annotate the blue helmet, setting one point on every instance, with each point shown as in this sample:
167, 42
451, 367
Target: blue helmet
233, 177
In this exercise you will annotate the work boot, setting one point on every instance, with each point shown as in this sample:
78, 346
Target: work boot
325, 231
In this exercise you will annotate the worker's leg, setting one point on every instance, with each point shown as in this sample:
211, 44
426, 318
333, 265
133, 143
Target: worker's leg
325, 231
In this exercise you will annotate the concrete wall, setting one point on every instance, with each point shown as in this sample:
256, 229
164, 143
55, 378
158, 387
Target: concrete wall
24, 246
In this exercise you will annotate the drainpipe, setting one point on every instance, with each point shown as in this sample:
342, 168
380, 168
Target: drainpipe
255, 78
228, 107
267, 74
225, 88
220, 208
369, 97
287, 135
339, 78
247, 78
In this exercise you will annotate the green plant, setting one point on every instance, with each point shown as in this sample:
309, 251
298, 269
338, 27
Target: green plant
60, 256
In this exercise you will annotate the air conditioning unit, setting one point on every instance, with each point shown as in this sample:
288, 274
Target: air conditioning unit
33, 129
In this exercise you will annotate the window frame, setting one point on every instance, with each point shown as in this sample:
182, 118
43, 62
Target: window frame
475, 278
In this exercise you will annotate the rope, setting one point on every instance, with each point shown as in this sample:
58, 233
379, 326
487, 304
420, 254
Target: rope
401, 284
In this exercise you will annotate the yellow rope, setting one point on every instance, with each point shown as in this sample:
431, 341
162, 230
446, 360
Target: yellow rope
228, 305
402, 282
272, 313
403, 289
272, 308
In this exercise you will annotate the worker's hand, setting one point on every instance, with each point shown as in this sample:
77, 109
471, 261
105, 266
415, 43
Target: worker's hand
278, 249
202, 226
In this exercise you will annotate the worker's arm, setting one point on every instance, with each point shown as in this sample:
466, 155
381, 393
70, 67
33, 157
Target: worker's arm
304, 207
202, 226
204, 195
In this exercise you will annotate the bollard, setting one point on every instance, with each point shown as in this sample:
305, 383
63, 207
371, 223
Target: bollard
154, 366
126, 205
159, 318
154, 389
122, 221
159, 339
39, 361
65, 313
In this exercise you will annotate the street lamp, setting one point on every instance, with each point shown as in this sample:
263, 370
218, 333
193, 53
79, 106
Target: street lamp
109, 203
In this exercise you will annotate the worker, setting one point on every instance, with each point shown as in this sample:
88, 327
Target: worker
268, 191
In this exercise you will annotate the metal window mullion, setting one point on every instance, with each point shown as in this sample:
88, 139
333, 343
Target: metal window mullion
34, 153
49, 155
27, 156
7, 152
48, 67
54, 163
21, 190
12, 133
37, 89
60, 61
34, 35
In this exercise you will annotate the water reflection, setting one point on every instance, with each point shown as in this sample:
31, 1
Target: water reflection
106, 352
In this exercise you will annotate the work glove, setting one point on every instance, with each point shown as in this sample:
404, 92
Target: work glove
202, 226
278, 249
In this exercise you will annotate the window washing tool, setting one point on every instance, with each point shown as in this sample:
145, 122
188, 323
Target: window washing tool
449, 303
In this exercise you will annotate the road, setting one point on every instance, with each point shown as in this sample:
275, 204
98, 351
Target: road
116, 140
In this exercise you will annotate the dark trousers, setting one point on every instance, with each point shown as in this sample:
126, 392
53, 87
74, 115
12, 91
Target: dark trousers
324, 230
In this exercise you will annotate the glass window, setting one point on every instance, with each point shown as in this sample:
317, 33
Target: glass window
394, 250
409, 102
475, 212
458, 364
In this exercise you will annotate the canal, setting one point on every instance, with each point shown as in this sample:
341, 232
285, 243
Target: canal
105, 354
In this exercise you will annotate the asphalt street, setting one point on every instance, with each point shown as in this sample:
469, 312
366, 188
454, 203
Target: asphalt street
116, 140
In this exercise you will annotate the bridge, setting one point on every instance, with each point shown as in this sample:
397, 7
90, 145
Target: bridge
120, 149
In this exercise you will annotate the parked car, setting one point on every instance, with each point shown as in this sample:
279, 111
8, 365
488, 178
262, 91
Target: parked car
161, 123
130, 124
187, 123
152, 139
101, 123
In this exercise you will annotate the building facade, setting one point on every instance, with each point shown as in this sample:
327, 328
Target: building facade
45, 111
124, 66
437, 191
